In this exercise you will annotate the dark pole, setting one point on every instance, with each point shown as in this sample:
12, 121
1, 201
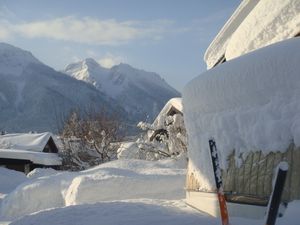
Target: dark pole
275, 197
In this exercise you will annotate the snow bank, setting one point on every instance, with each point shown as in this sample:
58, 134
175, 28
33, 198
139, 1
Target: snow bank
247, 104
119, 213
141, 212
35, 195
269, 22
41, 172
10, 179
121, 179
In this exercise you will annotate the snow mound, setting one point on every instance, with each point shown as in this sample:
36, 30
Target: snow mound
141, 212
41, 172
10, 179
35, 195
247, 104
119, 213
118, 180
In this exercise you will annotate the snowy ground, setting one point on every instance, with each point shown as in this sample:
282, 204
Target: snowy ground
127, 192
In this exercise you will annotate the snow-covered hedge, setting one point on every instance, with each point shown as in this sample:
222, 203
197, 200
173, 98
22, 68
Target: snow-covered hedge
247, 104
116, 180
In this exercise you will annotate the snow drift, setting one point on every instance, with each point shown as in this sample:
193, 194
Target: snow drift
10, 179
117, 180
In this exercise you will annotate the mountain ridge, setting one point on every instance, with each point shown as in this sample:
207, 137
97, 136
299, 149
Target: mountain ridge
35, 97
141, 93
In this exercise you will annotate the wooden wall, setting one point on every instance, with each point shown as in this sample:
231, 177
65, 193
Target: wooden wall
254, 176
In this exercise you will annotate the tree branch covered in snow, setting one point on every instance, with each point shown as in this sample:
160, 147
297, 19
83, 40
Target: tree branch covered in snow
89, 140
165, 139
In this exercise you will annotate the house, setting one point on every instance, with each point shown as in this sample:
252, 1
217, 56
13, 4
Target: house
27, 151
165, 137
169, 125
248, 101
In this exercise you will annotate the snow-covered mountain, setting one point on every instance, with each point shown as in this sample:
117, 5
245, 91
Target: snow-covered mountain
142, 94
33, 96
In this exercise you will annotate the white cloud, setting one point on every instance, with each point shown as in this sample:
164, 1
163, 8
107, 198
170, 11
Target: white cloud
90, 30
110, 60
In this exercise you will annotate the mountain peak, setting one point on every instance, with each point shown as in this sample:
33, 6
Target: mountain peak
14, 60
138, 91
91, 62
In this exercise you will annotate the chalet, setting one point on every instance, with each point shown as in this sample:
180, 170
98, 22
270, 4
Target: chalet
172, 107
248, 101
27, 151
164, 127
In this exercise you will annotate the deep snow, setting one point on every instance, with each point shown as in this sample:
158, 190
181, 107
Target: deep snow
140, 212
247, 104
10, 179
44, 185
117, 180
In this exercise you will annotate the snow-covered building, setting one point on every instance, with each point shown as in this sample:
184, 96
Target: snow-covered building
27, 151
249, 102
165, 137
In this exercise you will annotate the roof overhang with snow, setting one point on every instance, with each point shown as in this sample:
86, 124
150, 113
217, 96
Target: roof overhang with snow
40, 158
254, 24
173, 105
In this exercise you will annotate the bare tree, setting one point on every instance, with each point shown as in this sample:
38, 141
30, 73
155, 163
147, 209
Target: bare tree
90, 139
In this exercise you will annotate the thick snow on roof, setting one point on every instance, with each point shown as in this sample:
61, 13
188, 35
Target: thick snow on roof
172, 103
217, 48
49, 159
269, 22
253, 25
247, 104
25, 141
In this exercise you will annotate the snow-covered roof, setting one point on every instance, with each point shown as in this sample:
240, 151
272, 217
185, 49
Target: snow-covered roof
25, 141
173, 103
253, 25
48, 159
217, 48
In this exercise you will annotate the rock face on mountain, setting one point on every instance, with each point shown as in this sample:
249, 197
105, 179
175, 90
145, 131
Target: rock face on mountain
35, 97
142, 94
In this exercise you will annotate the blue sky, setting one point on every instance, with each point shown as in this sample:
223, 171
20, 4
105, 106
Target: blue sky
164, 36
